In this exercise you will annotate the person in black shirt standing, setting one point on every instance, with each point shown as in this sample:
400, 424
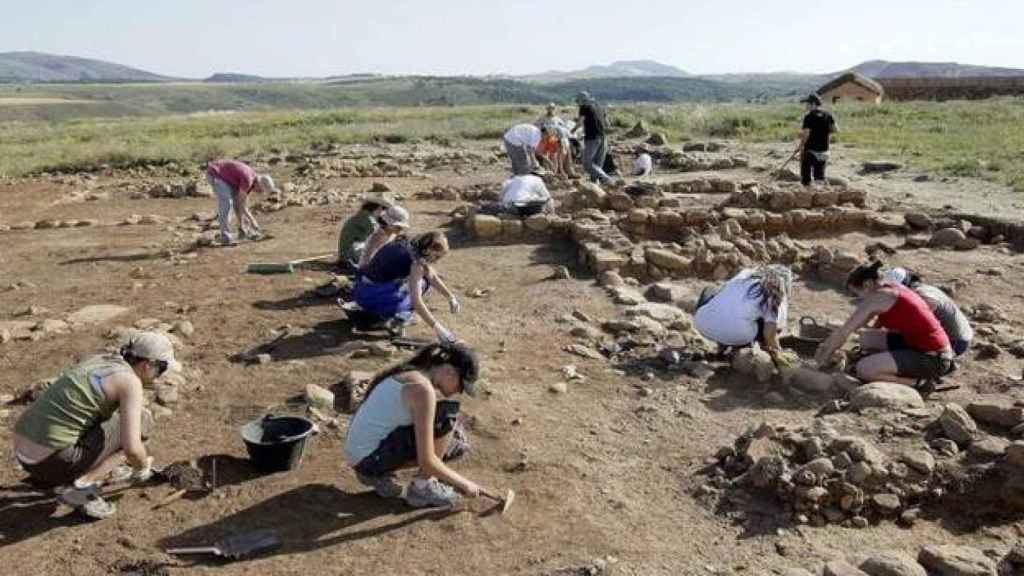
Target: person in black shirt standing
595, 142
818, 128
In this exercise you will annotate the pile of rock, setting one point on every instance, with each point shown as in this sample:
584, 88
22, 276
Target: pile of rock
49, 224
823, 477
699, 162
469, 193
180, 189
780, 198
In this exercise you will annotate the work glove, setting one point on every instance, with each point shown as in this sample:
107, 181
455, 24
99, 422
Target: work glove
444, 335
454, 305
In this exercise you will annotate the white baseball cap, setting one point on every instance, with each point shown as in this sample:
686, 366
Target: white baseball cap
897, 275
152, 346
396, 216
266, 183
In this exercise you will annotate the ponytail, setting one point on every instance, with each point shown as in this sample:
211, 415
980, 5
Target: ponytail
863, 274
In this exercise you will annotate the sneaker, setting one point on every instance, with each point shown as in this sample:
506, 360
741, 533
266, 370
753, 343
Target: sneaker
88, 501
430, 493
385, 486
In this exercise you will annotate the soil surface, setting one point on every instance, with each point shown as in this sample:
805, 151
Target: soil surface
603, 473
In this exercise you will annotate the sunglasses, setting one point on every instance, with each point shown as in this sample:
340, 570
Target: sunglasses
161, 367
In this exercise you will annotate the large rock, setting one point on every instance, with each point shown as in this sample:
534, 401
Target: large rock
96, 314
947, 238
620, 202
997, 412
918, 220
664, 313
885, 395
892, 564
807, 379
667, 260
486, 226
951, 560
841, 568
957, 424
754, 362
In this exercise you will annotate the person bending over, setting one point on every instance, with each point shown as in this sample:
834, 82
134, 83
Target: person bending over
751, 307
907, 346
392, 285
408, 420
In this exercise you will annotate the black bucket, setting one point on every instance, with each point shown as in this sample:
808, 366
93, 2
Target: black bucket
276, 443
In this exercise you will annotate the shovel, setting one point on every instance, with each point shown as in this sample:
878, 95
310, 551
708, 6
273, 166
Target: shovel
237, 546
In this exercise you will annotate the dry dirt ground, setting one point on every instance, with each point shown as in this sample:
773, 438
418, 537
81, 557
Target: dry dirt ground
604, 473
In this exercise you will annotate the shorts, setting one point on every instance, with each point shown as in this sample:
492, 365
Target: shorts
96, 445
911, 363
398, 449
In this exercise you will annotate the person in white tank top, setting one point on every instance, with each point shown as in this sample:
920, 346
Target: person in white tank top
402, 423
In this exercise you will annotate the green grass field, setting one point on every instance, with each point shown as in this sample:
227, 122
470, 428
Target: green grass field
978, 139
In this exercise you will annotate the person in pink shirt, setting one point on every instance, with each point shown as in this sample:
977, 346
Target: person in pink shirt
232, 181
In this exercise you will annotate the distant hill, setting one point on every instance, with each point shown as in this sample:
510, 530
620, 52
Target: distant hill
620, 69
885, 69
228, 77
40, 67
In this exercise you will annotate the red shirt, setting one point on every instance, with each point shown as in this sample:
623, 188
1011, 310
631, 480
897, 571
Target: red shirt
913, 319
236, 174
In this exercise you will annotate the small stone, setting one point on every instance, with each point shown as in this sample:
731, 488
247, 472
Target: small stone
319, 397
167, 395
958, 424
920, 460
987, 448
184, 328
558, 388
886, 503
859, 522
263, 358
910, 517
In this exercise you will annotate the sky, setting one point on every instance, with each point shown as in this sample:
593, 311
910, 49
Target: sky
301, 38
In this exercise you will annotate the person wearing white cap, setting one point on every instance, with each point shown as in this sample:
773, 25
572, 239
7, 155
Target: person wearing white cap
232, 182
77, 430
393, 222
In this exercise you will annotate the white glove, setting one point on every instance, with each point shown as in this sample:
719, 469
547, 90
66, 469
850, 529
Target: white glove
444, 335
454, 305
145, 473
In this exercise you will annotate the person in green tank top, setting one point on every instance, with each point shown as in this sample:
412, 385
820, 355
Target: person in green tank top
357, 230
90, 419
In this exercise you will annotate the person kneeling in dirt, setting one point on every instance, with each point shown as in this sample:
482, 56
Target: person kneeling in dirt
391, 224
954, 322
391, 286
521, 196
232, 182
356, 231
401, 423
909, 348
751, 307
76, 431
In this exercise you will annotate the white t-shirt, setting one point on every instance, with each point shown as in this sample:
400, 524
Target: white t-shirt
643, 165
521, 190
730, 318
523, 134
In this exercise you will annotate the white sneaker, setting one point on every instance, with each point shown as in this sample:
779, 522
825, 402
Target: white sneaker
430, 493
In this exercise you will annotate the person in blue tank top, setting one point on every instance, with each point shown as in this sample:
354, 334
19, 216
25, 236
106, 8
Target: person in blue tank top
391, 286
407, 419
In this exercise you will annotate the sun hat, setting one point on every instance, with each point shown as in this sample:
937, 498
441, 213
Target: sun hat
152, 346
266, 183
396, 216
